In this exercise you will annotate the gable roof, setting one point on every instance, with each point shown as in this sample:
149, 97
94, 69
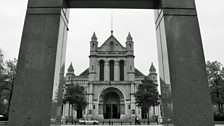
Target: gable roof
106, 45
138, 73
85, 73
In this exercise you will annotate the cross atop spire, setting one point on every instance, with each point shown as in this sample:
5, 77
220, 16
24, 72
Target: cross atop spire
111, 32
112, 23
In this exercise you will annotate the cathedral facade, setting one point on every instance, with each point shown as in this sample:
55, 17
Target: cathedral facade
110, 81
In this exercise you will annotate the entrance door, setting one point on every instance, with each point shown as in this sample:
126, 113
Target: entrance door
111, 106
116, 112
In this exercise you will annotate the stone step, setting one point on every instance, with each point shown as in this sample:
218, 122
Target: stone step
3, 123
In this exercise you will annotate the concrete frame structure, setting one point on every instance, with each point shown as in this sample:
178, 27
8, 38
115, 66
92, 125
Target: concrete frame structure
184, 86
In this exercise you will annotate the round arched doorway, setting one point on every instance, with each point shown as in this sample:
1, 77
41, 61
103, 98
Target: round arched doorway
111, 100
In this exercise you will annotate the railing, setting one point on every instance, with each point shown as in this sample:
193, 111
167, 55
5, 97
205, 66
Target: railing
119, 122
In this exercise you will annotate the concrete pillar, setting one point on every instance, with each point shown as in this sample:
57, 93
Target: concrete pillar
185, 94
40, 62
116, 71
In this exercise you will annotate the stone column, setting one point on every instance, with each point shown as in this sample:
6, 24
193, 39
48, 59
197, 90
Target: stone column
116, 71
66, 109
185, 94
106, 71
132, 99
40, 62
90, 112
126, 108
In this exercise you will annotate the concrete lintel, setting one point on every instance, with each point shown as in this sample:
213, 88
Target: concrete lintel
177, 3
45, 3
128, 4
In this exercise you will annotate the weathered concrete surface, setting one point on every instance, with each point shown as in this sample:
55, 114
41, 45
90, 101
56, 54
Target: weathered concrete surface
135, 4
184, 86
41, 60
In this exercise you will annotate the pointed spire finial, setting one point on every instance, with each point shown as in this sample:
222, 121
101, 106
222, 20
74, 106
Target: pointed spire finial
112, 23
129, 38
94, 38
152, 68
70, 68
111, 32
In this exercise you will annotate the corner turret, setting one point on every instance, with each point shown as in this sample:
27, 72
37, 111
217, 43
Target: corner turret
152, 73
93, 43
70, 73
152, 69
129, 43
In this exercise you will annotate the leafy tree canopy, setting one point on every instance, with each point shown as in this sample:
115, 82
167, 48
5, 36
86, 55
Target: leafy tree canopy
75, 95
147, 94
7, 77
215, 74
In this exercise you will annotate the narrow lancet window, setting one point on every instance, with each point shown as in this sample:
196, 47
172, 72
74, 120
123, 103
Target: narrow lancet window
111, 70
101, 70
121, 70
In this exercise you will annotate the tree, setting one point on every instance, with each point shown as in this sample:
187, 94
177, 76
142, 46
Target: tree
147, 95
1, 62
215, 72
7, 77
75, 95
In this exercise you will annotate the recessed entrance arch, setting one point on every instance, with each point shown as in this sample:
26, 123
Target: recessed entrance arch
112, 102
181, 60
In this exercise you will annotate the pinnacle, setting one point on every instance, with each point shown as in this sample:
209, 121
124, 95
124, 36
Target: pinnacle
94, 38
129, 38
152, 68
70, 68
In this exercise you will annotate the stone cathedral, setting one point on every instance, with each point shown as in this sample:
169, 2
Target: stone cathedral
110, 81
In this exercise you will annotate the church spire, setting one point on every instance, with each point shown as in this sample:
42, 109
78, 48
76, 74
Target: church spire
94, 38
93, 43
70, 69
129, 38
152, 69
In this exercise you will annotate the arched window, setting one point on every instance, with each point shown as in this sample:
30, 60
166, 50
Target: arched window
111, 70
101, 70
121, 70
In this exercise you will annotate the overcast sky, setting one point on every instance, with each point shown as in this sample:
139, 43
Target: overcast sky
83, 22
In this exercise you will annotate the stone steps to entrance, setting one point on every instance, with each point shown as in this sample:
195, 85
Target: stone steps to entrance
3, 123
